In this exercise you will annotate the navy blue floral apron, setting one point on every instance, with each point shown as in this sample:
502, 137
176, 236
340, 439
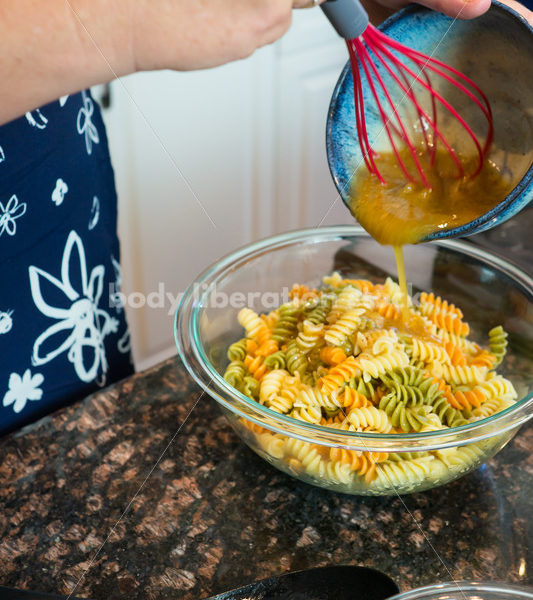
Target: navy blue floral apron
62, 332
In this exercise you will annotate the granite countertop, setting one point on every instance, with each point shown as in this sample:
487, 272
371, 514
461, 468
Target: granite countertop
144, 491
211, 515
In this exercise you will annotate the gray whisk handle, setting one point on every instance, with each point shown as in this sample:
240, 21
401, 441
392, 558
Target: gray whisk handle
348, 17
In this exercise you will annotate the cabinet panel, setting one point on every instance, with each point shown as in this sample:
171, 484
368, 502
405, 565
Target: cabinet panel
182, 150
306, 195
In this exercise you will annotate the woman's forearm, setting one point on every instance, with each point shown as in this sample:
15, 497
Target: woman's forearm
51, 48
55, 47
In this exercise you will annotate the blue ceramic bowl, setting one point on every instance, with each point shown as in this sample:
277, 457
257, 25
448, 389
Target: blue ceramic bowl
496, 51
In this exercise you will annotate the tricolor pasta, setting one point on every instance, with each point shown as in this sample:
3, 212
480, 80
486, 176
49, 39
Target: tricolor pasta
349, 356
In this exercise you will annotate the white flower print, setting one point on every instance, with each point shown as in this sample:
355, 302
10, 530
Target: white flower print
2, 155
116, 300
6, 322
115, 297
124, 344
81, 325
13, 210
95, 214
37, 119
85, 125
22, 389
59, 192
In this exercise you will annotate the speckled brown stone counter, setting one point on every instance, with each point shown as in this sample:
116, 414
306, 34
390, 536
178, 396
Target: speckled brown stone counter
211, 515
204, 514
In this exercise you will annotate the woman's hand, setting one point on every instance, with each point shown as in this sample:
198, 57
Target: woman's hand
462, 9
185, 34
379, 10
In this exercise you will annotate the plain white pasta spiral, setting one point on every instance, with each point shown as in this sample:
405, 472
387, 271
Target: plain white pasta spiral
339, 472
284, 400
498, 387
374, 366
458, 375
491, 407
272, 443
309, 396
251, 322
371, 418
465, 456
334, 280
307, 455
344, 326
384, 345
345, 301
402, 474
367, 339
310, 414
458, 341
279, 403
394, 292
309, 336
450, 457
271, 384
428, 351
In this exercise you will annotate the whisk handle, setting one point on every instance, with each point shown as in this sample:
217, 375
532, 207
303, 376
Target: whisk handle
348, 17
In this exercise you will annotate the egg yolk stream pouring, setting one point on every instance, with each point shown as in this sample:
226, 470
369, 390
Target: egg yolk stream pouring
412, 124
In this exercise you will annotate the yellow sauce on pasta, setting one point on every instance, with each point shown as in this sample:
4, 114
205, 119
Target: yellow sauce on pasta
411, 323
402, 280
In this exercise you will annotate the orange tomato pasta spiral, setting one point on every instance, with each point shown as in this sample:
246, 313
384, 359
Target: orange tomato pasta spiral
450, 323
338, 375
457, 356
467, 399
332, 356
256, 366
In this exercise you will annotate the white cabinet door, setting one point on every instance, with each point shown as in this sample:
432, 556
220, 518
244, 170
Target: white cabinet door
208, 161
310, 62
182, 151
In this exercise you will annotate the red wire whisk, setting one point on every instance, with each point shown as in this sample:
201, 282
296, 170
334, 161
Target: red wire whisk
397, 83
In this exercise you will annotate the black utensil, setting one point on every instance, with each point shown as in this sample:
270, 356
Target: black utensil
322, 583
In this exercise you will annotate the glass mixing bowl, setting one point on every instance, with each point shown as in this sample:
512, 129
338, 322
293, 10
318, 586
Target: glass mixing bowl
489, 290
466, 590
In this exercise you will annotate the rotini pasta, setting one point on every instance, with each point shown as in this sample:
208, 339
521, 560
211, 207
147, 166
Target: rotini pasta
498, 343
339, 375
296, 359
278, 360
427, 351
332, 356
254, 327
402, 473
369, 419
287, 324
346, 300
370, 366
345, 356
344, 326
310, 336
237, 351
271, 384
